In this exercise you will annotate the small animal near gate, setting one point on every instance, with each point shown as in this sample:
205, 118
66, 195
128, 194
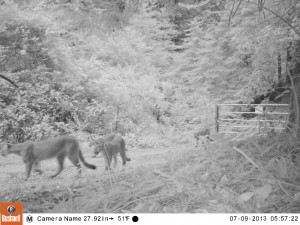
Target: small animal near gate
203, 134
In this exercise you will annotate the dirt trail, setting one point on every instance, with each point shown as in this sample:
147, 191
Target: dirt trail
13, 171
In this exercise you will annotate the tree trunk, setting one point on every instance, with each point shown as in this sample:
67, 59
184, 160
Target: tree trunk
279, 69
288, 61
294, 118
117, 119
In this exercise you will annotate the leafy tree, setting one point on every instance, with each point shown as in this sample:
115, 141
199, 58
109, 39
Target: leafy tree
276, 31
104, 65
238, 49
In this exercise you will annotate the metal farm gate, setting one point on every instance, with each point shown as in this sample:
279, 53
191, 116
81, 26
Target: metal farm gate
252, 118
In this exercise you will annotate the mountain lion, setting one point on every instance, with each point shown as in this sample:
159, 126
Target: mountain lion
204, 135
60, 147
110, 145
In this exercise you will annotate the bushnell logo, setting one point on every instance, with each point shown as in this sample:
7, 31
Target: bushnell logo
11, 213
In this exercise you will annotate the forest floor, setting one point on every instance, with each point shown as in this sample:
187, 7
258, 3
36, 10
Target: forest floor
40, 189
218, 177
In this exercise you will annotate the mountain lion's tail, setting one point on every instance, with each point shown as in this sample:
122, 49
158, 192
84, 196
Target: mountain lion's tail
90, 166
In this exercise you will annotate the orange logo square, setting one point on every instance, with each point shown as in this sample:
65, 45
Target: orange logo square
11, 213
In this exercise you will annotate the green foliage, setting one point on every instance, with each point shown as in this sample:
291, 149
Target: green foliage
256, 37
34, 112
121, 70
22, 48
102, 79
232, 49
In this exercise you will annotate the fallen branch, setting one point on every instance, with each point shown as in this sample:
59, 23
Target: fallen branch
278, 182
9, 80
247, 157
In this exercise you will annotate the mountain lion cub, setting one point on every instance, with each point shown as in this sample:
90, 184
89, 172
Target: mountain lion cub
110, 145
204, 135
60, 147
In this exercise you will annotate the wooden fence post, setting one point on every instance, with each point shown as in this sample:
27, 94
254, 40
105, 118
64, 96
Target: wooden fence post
217, 118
